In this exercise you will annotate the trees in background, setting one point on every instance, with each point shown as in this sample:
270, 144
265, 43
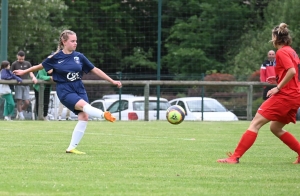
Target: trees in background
255, 43
200, 33
34, 28
198, 36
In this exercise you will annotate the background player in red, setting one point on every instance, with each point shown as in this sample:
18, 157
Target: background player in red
267, 71
281, 106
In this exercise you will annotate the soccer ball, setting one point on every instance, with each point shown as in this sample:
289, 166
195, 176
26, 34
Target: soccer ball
175, 114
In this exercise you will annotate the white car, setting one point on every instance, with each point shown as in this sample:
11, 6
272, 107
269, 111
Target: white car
116, 96
133, 108
213, 110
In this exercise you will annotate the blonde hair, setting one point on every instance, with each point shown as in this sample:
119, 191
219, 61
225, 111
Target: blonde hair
64, 36
281, 35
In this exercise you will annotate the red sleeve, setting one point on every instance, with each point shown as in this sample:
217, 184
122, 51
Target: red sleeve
285, 59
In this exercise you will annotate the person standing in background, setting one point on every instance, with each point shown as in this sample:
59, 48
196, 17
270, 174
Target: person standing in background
5, 91
267, 72
22, 91
43, 75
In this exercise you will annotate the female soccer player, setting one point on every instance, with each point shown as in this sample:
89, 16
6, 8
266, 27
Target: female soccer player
68, 66
283, 102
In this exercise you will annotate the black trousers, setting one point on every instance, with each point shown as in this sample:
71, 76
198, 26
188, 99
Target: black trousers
266, 89
46, 100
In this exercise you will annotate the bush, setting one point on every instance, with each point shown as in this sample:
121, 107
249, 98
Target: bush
209, 90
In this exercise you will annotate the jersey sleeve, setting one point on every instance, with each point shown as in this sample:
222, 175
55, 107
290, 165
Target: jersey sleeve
87, 66
48, 63
285, 59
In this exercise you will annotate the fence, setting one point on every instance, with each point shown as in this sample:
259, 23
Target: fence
243, 104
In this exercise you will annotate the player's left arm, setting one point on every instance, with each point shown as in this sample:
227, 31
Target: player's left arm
103, 75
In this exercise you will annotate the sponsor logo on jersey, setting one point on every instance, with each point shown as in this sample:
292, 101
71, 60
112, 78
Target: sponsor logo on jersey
73, 76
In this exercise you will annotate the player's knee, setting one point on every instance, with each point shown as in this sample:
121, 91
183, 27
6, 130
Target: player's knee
83, 116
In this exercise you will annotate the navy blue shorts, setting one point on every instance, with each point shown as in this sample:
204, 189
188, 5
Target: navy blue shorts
70, 93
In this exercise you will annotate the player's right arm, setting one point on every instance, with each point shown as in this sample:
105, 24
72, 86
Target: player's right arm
31, 69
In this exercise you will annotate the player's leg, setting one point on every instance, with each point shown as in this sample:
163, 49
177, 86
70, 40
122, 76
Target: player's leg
78, 133
247, 140
92, 111
286, 137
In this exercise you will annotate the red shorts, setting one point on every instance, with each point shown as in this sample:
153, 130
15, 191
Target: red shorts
281, 108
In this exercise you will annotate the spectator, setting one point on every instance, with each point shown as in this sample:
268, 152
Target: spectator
267, 71
43, 75
60, 109
5, 91
22, 91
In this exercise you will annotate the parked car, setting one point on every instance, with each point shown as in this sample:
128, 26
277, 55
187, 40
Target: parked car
133, 108
213, 110
116, 96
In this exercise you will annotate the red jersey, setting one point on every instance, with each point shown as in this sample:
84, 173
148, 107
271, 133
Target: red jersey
283, 106
287, 58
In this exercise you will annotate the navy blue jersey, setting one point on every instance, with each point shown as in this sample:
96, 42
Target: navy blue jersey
67, 67
67, 73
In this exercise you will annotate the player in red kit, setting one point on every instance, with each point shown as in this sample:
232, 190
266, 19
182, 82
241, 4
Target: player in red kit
283, 102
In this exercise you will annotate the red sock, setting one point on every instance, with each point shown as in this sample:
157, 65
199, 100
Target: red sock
247, 140
291, 142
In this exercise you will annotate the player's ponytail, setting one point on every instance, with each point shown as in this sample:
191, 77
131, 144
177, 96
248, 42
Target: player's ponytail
281, 35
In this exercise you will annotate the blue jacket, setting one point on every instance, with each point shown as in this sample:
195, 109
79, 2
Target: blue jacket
7, 74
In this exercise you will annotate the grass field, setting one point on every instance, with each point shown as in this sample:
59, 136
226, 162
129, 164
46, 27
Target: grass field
143, 158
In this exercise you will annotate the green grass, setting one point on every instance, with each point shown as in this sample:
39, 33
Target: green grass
143, 158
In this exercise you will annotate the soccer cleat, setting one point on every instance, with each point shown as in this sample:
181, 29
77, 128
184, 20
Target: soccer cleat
107, 115
74, 151
230, 160
297, 161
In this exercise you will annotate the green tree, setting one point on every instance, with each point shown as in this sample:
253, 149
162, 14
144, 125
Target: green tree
112, 33
256, 42
202, 33
34, 29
